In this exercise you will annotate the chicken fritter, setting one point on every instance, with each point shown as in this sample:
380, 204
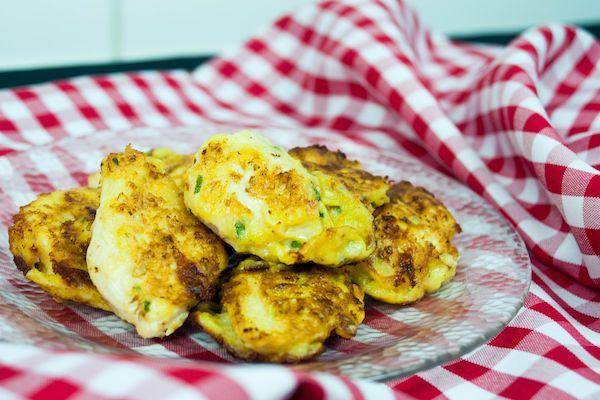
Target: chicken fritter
173, 164
370, 189
279, 313
49, 239
168, 161
262, 201
414, 254
149, 257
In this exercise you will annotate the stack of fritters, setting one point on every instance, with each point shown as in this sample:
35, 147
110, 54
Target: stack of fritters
129, 246
147, 240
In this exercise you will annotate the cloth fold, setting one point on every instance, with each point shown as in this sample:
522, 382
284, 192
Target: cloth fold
61, 375
515, 124
519, 125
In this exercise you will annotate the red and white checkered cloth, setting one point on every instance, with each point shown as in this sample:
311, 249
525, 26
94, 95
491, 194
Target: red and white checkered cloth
519, 125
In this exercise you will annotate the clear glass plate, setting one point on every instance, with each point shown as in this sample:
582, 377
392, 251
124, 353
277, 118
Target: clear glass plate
490, 286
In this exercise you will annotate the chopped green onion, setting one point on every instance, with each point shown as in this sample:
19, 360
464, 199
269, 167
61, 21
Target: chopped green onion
115, 160
240, 228
295, 244
336, 210
321, 214
198, 184
317, 194
146, 305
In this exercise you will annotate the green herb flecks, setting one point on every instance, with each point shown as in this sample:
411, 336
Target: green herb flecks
335, 210
317, 194
198, 185
321, 214
295, 244
146, 305
115, 160
240, 228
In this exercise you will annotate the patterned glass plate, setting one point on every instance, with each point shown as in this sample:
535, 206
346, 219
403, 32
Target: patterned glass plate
489, 288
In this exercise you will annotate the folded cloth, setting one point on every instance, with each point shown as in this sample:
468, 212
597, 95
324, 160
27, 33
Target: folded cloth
520, 125
36, 373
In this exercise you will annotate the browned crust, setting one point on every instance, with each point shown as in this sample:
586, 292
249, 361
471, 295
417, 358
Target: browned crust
413, 230
335, 163
72, 276
67, 217
388, 232
253, 356
174, 235
21, 264
321, 155
194, 280
307, 298
281, 190
418, 197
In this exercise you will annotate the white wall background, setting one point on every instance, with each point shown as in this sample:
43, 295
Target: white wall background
37, 33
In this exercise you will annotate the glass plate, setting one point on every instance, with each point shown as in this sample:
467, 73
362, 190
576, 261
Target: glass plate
489, 288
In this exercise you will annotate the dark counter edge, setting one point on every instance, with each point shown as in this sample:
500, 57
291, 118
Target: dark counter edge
26, 77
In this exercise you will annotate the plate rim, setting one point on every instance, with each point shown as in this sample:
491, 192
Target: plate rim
382, 377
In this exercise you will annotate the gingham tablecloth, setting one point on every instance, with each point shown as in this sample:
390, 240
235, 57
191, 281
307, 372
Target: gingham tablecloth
520, 125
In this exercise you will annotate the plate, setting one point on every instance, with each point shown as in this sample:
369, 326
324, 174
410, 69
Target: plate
492, 279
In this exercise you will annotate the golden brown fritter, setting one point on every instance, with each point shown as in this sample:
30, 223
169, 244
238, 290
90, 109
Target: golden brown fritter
278, 313
149, 257
264, 202
414, 253
370, 189
49, 239
168, 161
173, 164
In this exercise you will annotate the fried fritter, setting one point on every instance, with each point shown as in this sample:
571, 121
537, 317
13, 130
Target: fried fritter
168, 161
49, 239
414, 253
278, 313
173, 164
370, 189
149, 257
262, 201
